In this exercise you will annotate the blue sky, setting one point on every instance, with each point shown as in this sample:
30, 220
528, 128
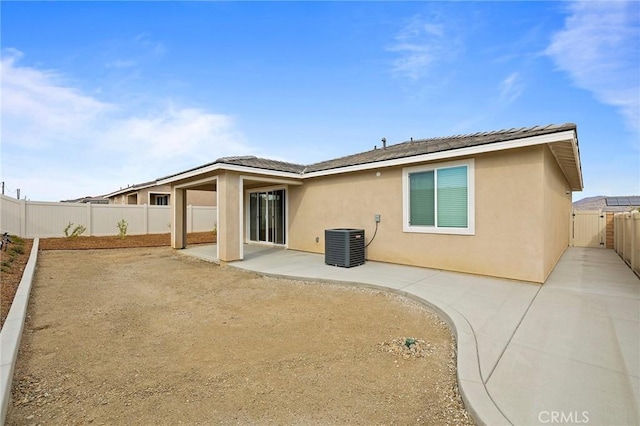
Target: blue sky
99, 95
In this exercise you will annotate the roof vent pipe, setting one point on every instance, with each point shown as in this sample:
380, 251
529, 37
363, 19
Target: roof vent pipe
384, 143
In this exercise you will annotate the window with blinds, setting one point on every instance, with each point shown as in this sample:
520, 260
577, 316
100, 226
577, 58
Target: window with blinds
437, 199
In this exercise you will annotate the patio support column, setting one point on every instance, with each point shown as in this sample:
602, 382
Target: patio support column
179, 224
229, 217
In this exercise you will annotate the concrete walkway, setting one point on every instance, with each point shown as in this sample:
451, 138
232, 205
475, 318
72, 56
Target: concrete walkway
567, 352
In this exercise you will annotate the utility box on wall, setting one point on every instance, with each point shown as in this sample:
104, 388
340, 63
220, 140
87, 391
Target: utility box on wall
344, 247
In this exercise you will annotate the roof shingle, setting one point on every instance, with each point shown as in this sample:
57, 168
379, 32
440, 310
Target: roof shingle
262, 163
391, 152
429, 146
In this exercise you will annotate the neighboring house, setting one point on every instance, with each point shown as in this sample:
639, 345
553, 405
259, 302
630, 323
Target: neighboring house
89, 199
619, 204
490, 203
157, 195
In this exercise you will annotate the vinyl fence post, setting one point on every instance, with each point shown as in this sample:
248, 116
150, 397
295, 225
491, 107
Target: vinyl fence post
615, 233
23, 218
632, 256
89, 207
146, 218
627, 234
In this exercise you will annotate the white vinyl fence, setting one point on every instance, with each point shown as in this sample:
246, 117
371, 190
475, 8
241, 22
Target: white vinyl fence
589, 228
30, 219
626, 234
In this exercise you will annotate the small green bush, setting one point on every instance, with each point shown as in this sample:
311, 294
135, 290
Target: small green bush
18, 249
12, 250
76, 232
122, 228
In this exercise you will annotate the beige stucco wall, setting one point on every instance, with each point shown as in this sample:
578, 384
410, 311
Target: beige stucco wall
557, 212
521, 216
510, 239
143, 194
201, 198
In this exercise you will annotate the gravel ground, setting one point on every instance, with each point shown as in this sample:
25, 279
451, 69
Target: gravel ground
147, 336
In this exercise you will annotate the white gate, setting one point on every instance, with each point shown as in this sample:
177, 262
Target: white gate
589, 228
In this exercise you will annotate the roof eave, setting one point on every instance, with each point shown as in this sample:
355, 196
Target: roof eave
230, 167
563, 144
566, 136
129, 189
567, 155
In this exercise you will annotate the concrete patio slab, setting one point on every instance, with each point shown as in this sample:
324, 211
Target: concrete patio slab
530, 384
577, 351
569, 348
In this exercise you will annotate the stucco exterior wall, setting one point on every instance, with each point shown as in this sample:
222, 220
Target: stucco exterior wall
229, 217
143, 194
557, 212
201, 198
509, 238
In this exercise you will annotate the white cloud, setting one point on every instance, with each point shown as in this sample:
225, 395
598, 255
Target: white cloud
54, 133
510, 87
145, 41
37, 109
174, 132
600, 49
420, 45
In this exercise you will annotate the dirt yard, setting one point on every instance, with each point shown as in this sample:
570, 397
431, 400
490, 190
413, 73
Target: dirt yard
149, 336
14, 257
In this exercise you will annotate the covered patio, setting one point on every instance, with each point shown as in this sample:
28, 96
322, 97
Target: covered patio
252, 206
209, 252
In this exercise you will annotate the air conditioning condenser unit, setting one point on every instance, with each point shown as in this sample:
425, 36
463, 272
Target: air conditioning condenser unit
344, 247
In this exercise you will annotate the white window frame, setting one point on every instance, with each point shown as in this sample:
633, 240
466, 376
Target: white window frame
471, 207
247, 214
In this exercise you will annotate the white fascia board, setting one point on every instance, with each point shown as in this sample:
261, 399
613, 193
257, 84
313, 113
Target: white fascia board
230, 167
461, 152
256, 170
189, 174
576, 156
197, 182
129, 189
273, 180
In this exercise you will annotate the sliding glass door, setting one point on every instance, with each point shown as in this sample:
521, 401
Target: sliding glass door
267, 216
